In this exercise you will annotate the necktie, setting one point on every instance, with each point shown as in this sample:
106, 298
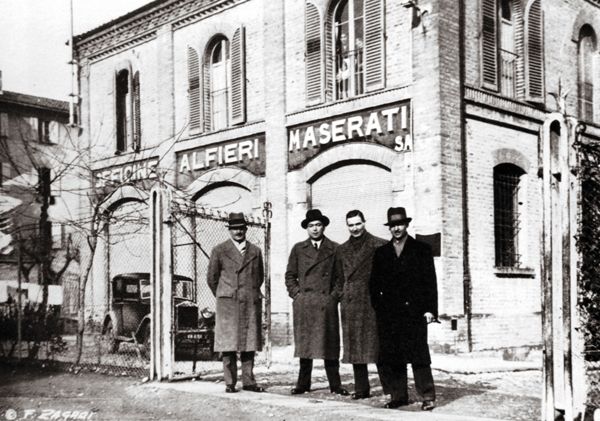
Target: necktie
243, 249
316, 246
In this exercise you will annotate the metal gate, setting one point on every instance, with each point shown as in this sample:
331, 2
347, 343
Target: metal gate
183, 238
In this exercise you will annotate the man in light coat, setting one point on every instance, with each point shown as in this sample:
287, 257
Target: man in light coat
235, 275
403, 290
309, 281
359, 329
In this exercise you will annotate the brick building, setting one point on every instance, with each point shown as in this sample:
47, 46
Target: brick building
436, 106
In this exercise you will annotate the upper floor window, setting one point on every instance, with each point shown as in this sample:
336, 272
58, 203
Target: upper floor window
127, 111
508, 223
349, 48
512, 48
587, 48
217, 87
219, 84
352, 60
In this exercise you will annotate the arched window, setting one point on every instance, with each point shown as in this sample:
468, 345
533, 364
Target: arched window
219, 68
587, 47
348, 29
508, 223
127, 110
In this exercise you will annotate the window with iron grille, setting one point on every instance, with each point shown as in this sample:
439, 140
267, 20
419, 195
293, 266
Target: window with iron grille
507, 216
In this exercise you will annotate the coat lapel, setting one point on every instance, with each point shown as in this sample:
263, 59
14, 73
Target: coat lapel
354, 261
251, 254
232, 253
317, 256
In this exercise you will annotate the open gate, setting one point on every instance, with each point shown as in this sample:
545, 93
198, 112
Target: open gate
183, 236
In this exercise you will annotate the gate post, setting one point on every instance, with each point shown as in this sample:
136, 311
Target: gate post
161, 307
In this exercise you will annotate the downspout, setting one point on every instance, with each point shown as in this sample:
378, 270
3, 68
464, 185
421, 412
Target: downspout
467, 286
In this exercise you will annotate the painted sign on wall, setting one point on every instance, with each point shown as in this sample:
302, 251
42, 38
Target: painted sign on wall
389, 125
123, 173
247, 153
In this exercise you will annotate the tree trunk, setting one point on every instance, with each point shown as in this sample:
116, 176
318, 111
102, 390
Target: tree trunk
83, 279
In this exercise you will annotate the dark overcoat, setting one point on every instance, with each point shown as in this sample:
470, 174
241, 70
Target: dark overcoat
310, 283
402, 290
235, 280
353, 271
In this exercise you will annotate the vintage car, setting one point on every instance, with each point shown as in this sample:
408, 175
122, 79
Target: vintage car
128, 319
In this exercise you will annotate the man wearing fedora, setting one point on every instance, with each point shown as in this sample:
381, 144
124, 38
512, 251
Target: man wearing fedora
310, 283
403, 290
235, 275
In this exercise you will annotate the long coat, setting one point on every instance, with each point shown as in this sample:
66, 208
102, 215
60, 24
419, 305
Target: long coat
310, 283
353, 271
235, 280
402, 290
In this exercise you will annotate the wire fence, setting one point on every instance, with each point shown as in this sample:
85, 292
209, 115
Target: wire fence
588, 245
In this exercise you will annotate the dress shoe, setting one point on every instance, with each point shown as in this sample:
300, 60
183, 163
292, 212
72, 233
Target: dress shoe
230, 389
298, 391
340, 391
395, 404
427, 405
361, 395
254, 388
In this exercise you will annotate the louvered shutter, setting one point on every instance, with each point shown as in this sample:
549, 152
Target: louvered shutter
193, 89
238, 77
519, 49
329, 58
374, 46
137, 113
489, 44
535, 52
206, 102
312, 29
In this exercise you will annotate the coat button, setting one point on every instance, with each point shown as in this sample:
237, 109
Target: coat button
407, 303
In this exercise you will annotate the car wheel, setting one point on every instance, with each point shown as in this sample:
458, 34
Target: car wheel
111, 344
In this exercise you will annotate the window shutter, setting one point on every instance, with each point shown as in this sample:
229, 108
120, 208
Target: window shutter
137, 113
206, 106
519, 49
312, 29
193, 89
329, 58
238, 77
489, 44
535, 52
374, 47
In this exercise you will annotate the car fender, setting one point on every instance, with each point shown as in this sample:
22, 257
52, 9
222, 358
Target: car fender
140, 329
112, 316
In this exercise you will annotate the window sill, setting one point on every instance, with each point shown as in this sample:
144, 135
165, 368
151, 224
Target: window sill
512, 272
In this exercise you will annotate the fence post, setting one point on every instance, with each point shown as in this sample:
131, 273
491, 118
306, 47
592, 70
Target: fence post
267, 213
161, 342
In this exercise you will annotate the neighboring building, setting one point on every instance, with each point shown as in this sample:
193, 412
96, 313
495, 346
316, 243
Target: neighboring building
35, 141
434, 106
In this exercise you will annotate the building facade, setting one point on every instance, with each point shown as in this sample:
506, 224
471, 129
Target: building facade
36, 200
436, 106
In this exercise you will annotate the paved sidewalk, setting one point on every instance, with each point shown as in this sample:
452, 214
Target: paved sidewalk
270, 403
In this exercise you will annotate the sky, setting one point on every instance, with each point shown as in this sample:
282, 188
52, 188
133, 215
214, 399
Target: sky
34, 55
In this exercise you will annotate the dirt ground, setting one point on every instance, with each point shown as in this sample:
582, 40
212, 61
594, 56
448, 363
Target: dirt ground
43, 393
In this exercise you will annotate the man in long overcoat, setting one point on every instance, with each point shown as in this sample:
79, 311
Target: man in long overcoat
310, 283
235, 275
359, 329
403, 291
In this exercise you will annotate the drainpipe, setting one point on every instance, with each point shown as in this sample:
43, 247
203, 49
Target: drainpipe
467, 286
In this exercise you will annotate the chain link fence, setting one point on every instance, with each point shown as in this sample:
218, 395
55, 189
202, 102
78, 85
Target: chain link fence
588, 246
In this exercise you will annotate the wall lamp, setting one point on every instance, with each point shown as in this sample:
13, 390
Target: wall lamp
419, 15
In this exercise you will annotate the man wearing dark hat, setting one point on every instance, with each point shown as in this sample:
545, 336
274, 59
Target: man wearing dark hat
403, 291
310, 283
353, 271
235, 275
